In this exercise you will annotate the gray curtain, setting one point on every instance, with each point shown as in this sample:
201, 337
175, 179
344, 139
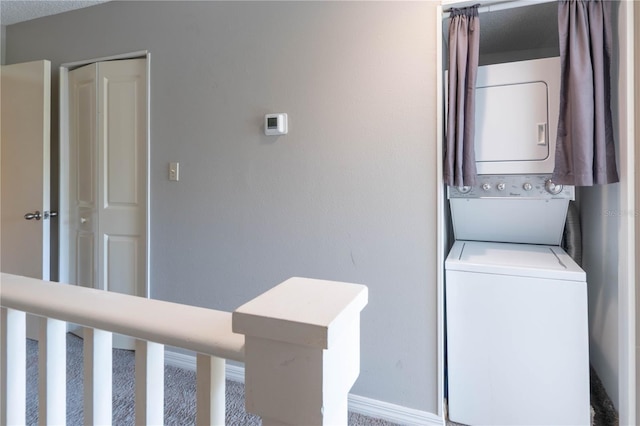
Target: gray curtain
585, 152
464, 47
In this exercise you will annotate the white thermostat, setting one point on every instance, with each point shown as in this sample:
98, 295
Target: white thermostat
275, 124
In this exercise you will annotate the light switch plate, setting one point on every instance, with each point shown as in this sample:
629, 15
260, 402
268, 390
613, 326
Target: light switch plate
174, 171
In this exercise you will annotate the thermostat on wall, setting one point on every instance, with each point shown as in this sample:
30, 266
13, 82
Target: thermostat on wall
275, 124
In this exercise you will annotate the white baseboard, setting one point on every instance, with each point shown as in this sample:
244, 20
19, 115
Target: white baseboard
234, 373
392, 412
357, 404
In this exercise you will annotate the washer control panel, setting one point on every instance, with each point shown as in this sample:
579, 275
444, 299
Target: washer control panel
513, 186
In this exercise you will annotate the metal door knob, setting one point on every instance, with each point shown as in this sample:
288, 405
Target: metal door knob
35, 215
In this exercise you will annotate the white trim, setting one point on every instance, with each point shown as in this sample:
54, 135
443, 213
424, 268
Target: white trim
132, 55
180, 360
392, 412
636, 138
626, 236
63, 179
357, 404
440, 211
148, 212
235, 373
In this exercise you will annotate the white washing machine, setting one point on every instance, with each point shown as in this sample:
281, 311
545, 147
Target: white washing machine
516, 307
517, 337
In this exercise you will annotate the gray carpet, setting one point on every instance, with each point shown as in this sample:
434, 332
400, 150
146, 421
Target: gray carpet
604, 413
180, 391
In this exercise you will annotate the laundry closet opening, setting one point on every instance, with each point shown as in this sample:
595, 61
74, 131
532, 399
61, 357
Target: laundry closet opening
512, 221
590, 236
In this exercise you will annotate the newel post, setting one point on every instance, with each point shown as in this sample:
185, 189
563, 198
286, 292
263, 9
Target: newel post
302, 351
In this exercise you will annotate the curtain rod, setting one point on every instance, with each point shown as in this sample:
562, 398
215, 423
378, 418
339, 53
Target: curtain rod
503, 5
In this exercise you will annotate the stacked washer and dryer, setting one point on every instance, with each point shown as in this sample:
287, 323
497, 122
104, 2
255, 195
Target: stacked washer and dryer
516, 302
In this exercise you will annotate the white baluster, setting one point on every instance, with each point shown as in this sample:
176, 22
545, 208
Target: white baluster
210, 390
97, 377
52, 376
149, 383
14, 367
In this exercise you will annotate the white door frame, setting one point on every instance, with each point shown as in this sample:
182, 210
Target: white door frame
627, 315
441, 224
64, 211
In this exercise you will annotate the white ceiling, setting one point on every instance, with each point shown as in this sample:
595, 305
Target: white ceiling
14, 11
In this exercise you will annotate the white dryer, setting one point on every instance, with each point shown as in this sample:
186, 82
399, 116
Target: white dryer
517, 335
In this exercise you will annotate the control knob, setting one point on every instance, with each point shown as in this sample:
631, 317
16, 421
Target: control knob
501, 186
527, 186
552, 188
486, 186
464, 189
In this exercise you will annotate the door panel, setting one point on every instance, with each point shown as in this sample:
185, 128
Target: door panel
84, 103
24, 167
122, 263
85, 267
121, 140
122, 175
26, 104
82, 171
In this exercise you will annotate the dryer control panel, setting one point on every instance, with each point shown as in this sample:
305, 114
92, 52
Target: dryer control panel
514, 186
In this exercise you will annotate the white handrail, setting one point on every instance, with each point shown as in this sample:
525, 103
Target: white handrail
300, 342
200, 330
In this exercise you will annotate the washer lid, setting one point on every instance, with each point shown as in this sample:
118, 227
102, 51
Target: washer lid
524, 260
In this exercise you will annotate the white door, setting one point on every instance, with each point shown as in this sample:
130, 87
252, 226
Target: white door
83, 252
25, 123
108, 176
25, 168
122, 176
107, 185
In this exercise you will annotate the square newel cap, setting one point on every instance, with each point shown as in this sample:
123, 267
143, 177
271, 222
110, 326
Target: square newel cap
302, 311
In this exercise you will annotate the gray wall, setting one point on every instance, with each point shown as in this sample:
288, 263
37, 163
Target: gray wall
600, 209
601, 216
3, 36
348, 194
636, 212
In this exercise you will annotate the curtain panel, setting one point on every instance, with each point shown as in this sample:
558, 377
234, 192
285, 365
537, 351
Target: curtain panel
464, 49
585, 151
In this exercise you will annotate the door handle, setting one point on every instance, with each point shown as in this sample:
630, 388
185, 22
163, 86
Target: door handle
50, 215
36, 215
542, 133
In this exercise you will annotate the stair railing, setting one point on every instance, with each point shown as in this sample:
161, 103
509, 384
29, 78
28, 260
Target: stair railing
300, 342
